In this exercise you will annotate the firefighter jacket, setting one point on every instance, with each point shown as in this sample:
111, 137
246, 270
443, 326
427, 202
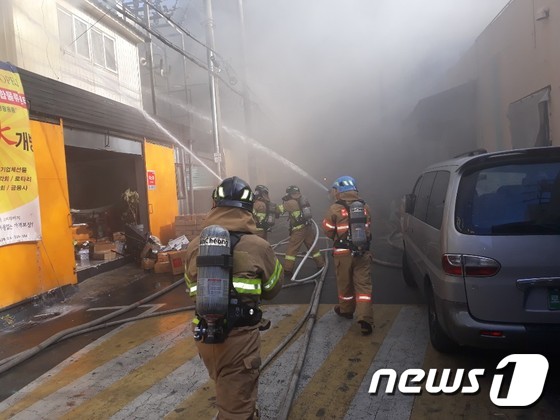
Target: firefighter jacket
262, 208
336, 222
257, 273
293, 209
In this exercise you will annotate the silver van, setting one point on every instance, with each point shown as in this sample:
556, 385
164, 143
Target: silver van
481, 240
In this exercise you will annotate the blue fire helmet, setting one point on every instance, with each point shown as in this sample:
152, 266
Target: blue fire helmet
345, 183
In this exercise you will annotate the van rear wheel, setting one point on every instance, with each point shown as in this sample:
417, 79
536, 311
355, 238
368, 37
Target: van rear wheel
439, 339
407, 273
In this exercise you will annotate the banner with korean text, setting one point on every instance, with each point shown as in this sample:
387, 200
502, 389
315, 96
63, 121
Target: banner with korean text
20, 219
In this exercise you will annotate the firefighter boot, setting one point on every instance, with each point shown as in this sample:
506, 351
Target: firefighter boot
366, 327
341, 314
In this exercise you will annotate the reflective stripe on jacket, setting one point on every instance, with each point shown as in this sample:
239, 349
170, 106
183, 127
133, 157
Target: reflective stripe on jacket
257, 273
295, 215
335, 224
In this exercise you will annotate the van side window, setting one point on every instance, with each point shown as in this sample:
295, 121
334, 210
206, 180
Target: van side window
437, 199
423, 196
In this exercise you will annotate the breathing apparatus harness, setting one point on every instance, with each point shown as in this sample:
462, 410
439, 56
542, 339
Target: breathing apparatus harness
268, 221
239, 313
304, 217
356, 239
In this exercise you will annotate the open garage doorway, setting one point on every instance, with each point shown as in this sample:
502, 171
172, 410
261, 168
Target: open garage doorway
98, 180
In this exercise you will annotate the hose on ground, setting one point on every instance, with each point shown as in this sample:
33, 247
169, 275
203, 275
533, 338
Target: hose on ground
296, 373
6, 365
100, 323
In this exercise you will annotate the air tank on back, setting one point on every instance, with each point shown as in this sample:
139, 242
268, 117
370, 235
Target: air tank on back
358, 225
212, 294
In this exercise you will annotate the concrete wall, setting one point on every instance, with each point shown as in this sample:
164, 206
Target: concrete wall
517, 54
30, 40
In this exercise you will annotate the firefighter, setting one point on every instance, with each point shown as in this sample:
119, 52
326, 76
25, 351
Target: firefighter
348, 223
301, 231
264, 211
233, 356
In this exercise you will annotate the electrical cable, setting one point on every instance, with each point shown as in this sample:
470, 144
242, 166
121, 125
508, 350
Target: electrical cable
179, 50
181, 29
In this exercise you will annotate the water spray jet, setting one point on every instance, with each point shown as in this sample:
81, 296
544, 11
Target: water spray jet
171, 136
256, 145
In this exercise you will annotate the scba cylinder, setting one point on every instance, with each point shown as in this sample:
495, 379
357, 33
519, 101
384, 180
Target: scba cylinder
358, 225
305, 208
212, 291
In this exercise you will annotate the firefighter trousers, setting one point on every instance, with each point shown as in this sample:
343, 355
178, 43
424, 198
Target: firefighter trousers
234, 366
298, 237
353, 281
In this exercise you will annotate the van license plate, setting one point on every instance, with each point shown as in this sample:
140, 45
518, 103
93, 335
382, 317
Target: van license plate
554, 299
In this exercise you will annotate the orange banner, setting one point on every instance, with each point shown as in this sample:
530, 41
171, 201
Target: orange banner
20, 219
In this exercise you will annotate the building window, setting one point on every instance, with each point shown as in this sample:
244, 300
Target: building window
97, 48
528, 118
76, 36
110, 56
65, 30
103, 49
81, 37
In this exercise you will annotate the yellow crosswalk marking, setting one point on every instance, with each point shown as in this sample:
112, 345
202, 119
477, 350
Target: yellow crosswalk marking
126, 339
202, 403
333, 387
122, 392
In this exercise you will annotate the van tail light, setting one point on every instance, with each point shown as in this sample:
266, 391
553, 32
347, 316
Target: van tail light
469, 265
491, 333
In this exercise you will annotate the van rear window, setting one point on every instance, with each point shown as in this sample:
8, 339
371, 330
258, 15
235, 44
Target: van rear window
516, 199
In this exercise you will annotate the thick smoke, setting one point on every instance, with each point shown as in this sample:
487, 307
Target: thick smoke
334, 81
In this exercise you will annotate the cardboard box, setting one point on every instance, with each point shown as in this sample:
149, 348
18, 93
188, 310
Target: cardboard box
119, 236
177, 261
103, 246
162, 257
147, 263
104, 255
162, 267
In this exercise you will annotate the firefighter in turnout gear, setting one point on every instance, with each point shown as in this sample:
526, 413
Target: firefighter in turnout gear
301, 230
264, 212
230, 346
348, 223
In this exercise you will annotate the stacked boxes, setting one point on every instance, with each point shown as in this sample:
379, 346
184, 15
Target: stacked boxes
162, 264
177, 261
104, 250
172, 260
189, 225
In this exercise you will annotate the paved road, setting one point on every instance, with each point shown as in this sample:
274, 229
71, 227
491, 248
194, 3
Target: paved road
149, 368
